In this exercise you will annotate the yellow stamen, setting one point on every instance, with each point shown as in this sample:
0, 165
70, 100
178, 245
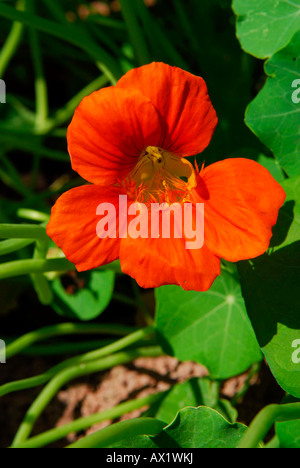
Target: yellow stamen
159, 176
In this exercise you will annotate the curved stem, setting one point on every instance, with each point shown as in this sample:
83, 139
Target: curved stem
80, 424
73, 372
75, 347
27, 267
263, 422
13, 245
33, 215
119, 431
63, 329
12, 42
66, 112
43, 378
112, 348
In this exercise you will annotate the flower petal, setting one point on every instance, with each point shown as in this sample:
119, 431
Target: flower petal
242, 201
158, 262
109, 130
183, 102
73, 226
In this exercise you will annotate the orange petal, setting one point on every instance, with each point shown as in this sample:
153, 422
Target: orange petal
73, 226
158, 262
183, 102
109, 130
242, 201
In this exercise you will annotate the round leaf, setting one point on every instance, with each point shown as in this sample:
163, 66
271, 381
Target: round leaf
265, 26
211, 328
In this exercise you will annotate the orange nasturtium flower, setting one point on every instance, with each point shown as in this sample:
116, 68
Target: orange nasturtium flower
132, 139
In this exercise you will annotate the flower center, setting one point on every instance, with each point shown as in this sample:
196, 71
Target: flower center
161, 176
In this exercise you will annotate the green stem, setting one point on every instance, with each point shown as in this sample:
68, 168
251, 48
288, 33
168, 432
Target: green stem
119, 431
22, 231
63, 329
24, 384
28, 267
66, 112
140, 301
135, 32
11, 45
157, 36
73, 347
87, 357
13, 245
36, 381
40, 282
128, 340
41, 92
69, 348
182, 15
33, 215
263, 422
106, 21
124, 299
62, 378
81, 424
10, 177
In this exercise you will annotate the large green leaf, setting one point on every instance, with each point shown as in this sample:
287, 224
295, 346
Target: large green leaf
194, 392
192, 428
211, 328
273, 115
270, 287
265, 26
89, 300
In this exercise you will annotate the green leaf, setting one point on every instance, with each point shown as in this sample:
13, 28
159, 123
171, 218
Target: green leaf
288, 432
265, 26
211, 328
86, 303
272, 166
272, 115
270, 286
192, 428
195, 392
